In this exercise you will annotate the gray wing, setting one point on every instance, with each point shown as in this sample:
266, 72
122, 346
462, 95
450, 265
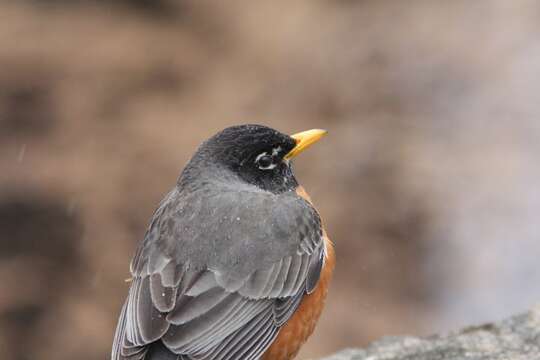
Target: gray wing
222, 286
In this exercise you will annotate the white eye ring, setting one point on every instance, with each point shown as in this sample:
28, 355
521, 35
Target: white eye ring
259, 157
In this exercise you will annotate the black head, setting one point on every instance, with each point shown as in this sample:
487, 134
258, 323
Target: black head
247, 155
253, 154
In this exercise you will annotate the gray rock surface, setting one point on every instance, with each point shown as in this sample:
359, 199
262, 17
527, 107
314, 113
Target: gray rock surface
517, 338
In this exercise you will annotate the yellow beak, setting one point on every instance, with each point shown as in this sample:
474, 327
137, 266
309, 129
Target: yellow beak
304, 140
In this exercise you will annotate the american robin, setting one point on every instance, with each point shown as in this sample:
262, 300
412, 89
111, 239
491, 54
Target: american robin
235, 263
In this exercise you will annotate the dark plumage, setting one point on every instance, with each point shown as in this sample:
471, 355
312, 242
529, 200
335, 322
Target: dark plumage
228, 256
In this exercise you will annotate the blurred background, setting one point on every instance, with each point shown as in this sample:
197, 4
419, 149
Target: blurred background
428, 181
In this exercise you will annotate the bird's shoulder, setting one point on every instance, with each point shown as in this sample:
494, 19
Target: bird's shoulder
230, 230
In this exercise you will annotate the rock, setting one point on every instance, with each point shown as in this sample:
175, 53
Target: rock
517, 338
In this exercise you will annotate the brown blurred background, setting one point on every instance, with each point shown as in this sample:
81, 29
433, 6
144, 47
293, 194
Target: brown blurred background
428, 181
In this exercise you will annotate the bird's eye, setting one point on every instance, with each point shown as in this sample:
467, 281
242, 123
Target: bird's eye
265, 161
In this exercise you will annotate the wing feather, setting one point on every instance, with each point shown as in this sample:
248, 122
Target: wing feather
285, 307
193, 307
163, 297
240, 344
148, 324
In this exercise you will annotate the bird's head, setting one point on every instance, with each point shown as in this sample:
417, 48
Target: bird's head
250, 154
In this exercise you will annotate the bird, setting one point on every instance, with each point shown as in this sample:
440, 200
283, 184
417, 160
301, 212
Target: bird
235, 263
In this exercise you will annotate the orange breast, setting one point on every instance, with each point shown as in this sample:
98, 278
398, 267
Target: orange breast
301, 325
